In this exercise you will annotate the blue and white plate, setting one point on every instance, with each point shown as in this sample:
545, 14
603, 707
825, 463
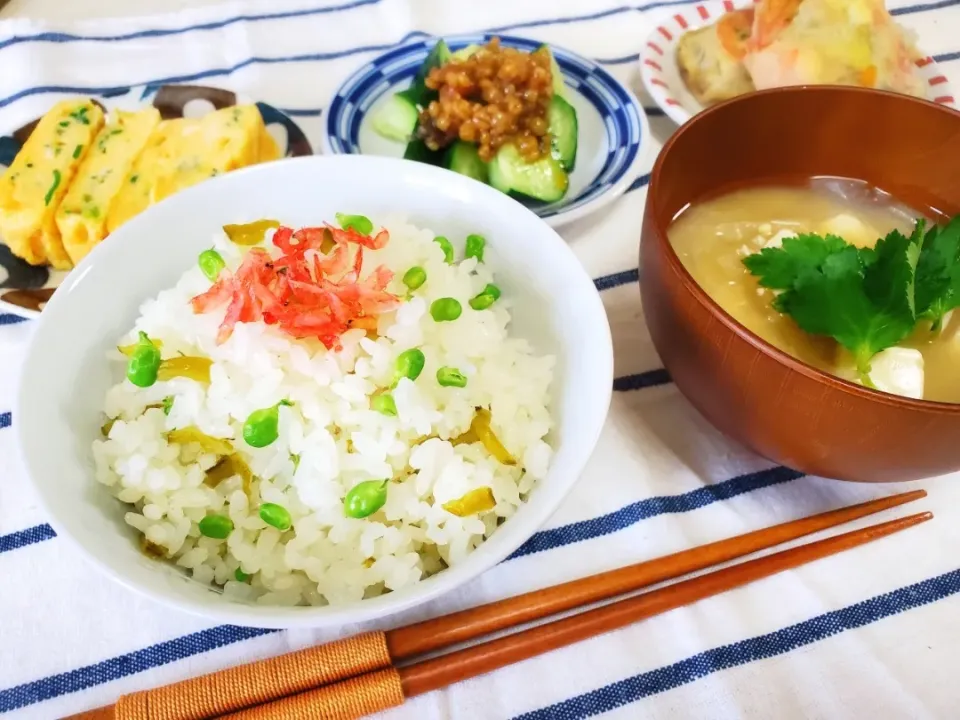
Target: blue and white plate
24, 288
614, 134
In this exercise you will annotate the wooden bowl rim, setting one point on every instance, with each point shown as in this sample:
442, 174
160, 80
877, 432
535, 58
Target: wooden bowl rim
708, 303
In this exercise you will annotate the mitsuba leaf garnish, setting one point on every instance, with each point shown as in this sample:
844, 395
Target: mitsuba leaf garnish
862, 298
938, 273
779, 268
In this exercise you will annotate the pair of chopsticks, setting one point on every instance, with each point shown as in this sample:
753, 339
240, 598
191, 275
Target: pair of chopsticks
358, 676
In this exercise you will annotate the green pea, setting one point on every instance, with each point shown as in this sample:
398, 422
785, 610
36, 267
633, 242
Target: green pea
447, 248
241, 576
211, 263
451, 377
487, 297
216, 526
262, 426
384, 404
167, 404
414, 277
475, 245
276, 515
409, 364
445, 309
365, 498
144, 363
359, 223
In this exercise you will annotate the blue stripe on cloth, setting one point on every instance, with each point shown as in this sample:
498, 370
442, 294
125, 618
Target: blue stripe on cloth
68, 37
924, 7
302, 112
640, 182
630, 690
7, 319
308, 57
947, 57
21, 538
652, 507
607, 282
651, 378
6, 419
55, 37
124, 665
622, 60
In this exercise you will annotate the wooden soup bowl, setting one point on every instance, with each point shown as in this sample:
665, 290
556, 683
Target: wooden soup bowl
770, 402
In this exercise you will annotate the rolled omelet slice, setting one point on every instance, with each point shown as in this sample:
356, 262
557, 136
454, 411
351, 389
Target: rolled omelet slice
187, 151
269, 150
138, 190
217, 143
82, 216
33, 186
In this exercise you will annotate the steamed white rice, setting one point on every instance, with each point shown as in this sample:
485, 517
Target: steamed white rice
327, 557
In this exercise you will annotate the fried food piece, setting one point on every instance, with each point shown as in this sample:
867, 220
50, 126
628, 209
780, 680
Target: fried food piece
710, 58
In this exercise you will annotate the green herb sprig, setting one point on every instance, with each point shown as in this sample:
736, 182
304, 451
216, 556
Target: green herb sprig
867, 299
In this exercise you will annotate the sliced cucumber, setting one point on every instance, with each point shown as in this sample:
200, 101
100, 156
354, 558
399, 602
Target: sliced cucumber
464, 53
463, 157
394, 119
397, 118
563, 130
544, 179
417, 150
558, 87
418, 92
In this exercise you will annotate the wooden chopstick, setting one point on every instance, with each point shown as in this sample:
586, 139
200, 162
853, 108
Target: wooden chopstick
439, 672
438, 633
358, 696
216, 693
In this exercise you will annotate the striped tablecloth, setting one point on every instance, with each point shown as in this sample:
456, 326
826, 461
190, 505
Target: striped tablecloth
873, 633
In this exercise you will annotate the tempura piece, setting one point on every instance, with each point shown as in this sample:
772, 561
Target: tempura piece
710, 58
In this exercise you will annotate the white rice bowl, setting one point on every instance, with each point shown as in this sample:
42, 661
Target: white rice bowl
327, 557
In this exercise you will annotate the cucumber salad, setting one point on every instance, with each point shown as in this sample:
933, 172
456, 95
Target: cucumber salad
493, 113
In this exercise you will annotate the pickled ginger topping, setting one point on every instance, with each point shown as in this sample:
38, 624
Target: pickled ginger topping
312, 287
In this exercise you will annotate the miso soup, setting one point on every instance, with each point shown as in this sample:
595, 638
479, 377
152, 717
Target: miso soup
713, 237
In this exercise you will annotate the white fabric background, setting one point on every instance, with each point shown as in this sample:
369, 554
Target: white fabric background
848, 637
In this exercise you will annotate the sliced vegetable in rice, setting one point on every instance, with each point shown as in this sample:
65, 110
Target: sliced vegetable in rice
480, 431
227, 467
192, 434
152, 550
194, 368
472, 503
251, 233
129, 349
